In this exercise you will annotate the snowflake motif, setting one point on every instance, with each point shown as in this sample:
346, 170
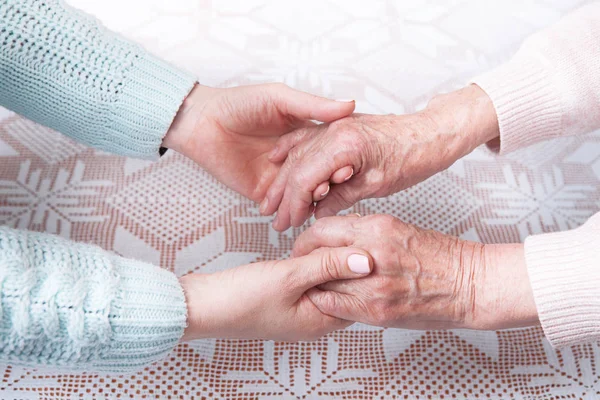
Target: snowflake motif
34, 200
538, 206
293, 381
568, 374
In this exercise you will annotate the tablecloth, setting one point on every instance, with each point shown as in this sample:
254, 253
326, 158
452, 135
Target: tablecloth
391, 56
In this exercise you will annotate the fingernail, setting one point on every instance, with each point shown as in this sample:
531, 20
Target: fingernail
263, 205
350, 176
327, 191
357, 214
359, 264
273, 152
345, 100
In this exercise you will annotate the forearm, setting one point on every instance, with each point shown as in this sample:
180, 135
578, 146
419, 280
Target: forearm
465, 118
62, 69
503, 295
77, 306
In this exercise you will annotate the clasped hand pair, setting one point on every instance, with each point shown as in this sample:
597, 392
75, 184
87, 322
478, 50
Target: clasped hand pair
261, 141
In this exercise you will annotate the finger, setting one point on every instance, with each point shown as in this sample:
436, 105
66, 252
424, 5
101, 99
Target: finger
334, 304
288, 141
274, 195
339, 176
340, 197
307, 106
342, 175
321, 191
307, 174
325, 266
343, 287
328, 232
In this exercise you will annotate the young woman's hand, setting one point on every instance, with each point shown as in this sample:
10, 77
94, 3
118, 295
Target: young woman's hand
230, 132
267, 300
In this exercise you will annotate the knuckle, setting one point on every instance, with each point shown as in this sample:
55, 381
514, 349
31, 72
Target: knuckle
319, 228
293, 154
384, 223
303, 180
382, 286
329, 266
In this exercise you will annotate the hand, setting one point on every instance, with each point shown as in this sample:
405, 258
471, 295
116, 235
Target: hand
382, 154
229, 132
267, 300
422, 279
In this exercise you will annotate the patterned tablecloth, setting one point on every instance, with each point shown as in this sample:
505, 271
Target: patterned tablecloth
391, 56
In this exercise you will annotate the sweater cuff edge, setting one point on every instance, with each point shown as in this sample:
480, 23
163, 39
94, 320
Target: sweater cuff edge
565, 288
526, 104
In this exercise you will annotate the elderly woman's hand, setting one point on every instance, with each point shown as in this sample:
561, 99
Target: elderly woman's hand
422, 279
230, 132
267, 300
381, 154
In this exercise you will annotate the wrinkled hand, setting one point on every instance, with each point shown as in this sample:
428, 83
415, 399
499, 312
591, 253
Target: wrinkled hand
267, 300
380, 154
230, 132
422, 279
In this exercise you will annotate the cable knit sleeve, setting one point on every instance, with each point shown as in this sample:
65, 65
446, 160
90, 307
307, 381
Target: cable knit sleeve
59, 67
77, 306
551, 88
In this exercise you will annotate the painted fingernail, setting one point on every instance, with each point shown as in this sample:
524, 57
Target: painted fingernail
264, 205
359, 264
350, 176
325, 192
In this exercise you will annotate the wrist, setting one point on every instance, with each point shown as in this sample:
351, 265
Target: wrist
198, 326
504, 297
188, 117
468, 115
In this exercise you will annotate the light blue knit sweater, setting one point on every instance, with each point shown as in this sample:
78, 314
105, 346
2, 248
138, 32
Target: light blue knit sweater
63, 303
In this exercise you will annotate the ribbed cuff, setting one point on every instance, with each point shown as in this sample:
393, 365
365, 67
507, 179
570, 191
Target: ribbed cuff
526, 103
564, 271
151, 94
147, 317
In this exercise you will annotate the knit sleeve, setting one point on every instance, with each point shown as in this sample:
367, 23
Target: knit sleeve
59, 67
564, 271
77, 306
551, 87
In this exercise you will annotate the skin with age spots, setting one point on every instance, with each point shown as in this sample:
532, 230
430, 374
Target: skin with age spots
388, 153
422, 279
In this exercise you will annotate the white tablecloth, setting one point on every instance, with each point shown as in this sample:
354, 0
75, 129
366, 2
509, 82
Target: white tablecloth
391, 56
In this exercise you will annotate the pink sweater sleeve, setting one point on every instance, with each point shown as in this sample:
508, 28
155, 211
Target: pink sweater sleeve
551, 88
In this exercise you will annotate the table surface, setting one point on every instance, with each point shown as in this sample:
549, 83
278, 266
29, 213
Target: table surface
391, 56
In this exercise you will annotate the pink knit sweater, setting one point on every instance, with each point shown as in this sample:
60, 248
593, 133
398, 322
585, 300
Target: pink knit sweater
551, 88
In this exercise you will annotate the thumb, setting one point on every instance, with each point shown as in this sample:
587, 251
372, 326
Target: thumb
329, 264
307, 106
